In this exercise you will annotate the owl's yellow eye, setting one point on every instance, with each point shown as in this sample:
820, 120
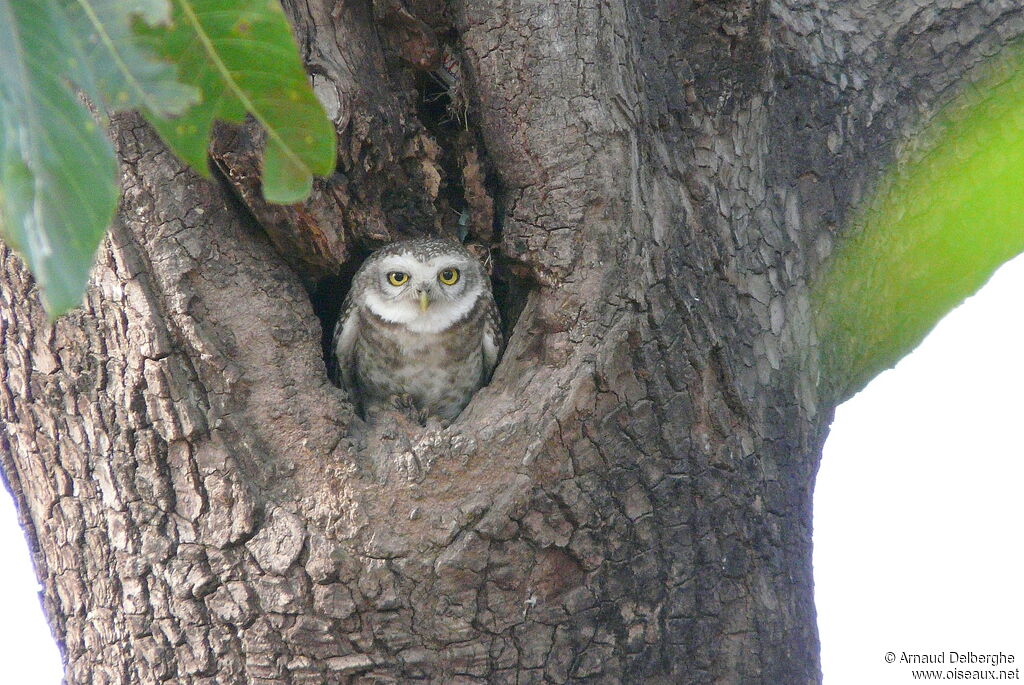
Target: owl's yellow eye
449, 276
397, 278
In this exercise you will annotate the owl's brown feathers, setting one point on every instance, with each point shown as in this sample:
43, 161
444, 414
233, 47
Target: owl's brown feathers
418, 334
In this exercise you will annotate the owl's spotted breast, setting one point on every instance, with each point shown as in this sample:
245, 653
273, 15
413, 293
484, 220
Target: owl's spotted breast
420, 321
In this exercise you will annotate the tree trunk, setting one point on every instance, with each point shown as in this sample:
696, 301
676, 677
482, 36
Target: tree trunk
629, 500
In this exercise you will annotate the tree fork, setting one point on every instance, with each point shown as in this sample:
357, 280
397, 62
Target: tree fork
629, 500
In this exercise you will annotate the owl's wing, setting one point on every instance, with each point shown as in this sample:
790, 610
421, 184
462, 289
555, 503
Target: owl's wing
344, 343
493, 342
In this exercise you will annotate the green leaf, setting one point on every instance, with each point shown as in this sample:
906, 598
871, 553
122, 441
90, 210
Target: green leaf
241, 55
58, 174
108, 62
936, 231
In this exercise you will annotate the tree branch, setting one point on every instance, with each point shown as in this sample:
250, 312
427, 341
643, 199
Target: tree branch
876, 77
937, 231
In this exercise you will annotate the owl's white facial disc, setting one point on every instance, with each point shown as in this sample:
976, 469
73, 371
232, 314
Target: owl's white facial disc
401, 304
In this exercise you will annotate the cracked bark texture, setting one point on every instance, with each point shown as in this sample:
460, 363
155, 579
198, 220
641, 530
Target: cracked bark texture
629, 500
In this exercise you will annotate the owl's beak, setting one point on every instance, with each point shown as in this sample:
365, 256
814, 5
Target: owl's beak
424, 301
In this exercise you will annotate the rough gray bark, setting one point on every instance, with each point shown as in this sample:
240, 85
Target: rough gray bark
628, 501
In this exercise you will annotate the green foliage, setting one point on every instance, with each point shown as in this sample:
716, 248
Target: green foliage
243, 59
107, 64
183, 63
937, 230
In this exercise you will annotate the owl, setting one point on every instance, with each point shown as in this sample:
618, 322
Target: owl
419, 325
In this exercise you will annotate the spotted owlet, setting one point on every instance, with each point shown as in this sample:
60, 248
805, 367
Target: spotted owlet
419, 324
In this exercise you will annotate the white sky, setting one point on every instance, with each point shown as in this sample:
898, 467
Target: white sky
918, 511
28, 655
920, 500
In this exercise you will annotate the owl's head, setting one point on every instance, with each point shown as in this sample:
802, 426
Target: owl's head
426, 284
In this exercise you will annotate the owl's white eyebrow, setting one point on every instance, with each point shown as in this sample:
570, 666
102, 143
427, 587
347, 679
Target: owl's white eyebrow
397, 263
